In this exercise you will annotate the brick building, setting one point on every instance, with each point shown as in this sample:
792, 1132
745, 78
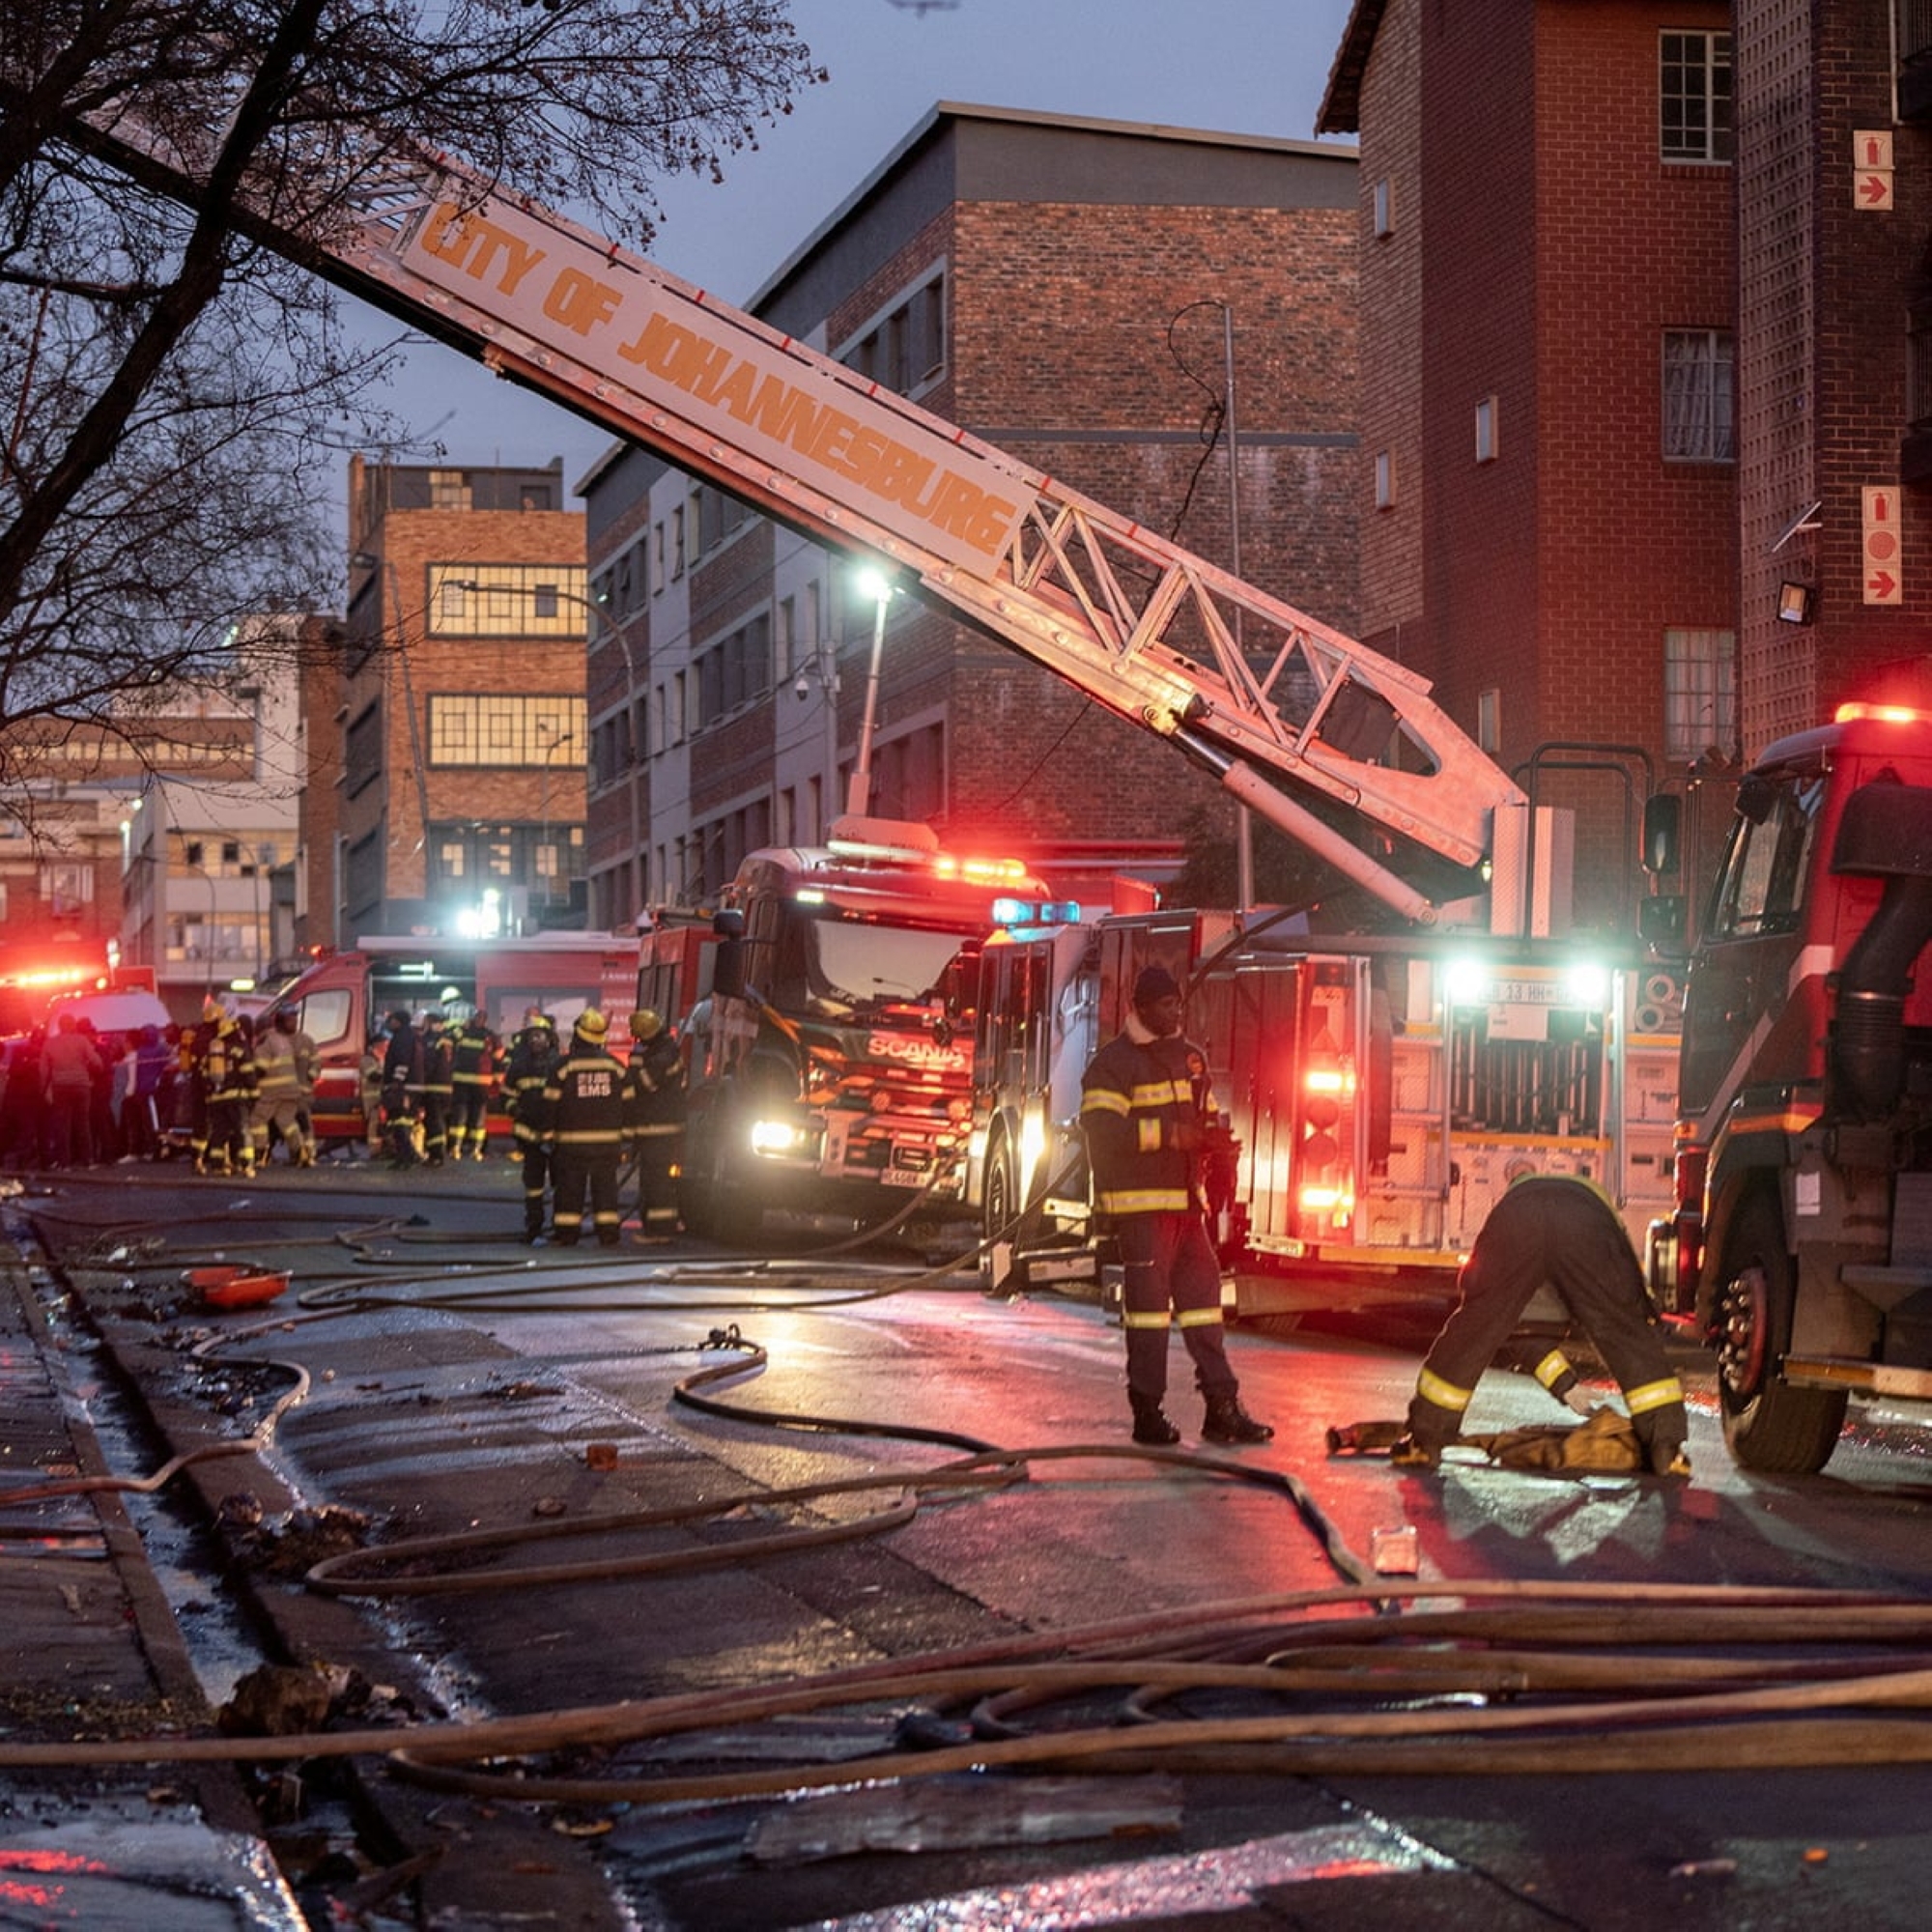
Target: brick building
1548, 469
460, 706
1058, 287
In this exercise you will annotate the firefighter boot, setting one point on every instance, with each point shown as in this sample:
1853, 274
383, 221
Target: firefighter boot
1152, 1428
1226, 1421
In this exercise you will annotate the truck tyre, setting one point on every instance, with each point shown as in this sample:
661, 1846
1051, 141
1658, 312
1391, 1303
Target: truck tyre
1769, 1424
1002, 1193
711, 1201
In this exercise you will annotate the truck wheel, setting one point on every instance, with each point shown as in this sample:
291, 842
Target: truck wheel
1002, 1187
1767, 1424
712, 1202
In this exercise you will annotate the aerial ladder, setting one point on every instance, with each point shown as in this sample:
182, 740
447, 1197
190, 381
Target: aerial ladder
1311, 730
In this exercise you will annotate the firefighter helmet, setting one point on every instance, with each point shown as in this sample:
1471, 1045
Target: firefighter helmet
591, 1025
645, 1024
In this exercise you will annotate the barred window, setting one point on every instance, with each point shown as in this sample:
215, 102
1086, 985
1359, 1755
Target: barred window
1699, 396
1701, 705
507, 600
1693, 97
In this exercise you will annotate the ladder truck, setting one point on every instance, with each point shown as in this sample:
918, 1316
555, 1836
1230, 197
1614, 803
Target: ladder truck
1339, 748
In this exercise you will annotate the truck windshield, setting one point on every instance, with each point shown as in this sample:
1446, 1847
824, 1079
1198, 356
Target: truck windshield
844, 968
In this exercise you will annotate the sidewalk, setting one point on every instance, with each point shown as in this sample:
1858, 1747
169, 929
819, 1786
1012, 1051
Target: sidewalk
92, 1651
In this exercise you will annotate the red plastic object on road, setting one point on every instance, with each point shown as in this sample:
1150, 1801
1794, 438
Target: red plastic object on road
236, 1284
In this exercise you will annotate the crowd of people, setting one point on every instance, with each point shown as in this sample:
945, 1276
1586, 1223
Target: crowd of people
580, 1115
233, 1093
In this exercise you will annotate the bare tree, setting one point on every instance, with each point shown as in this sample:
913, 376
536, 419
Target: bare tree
169, 388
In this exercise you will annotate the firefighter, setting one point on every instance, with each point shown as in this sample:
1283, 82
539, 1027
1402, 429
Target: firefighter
1152, 1130
588, 1097
285, 1061
657, 1078
1559, 1229
228, 1075
533, 1057
402, 1089
472, 1064
438, 1088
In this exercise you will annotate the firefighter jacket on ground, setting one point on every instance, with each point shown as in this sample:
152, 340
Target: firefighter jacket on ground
1142, 1098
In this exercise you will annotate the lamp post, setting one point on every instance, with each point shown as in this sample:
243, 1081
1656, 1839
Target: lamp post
544, 848
877, 585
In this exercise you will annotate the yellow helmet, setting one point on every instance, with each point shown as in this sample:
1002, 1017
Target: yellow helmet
592, 1024
645, 1024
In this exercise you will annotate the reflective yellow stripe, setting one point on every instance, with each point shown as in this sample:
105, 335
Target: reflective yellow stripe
1147, 1201
1160, 1094
589, 1137
1102, 1100
1444, 1395
1552, 1366
1199, 1318
1654, 1395
1147, 1130
1158, 1319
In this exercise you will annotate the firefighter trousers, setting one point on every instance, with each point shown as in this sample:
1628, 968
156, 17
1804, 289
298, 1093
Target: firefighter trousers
1172, 1279
578, 1168
1560, 1233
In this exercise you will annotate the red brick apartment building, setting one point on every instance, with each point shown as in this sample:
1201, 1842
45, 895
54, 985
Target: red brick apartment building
458, 709
1548, 469
1058, 287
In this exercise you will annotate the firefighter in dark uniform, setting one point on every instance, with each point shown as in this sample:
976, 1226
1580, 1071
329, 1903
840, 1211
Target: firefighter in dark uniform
472, 1061
1152, 1127
1563, 1229
590, 1099
402, 1087
533, 1057
228, 1075
438, 1088
657, 1077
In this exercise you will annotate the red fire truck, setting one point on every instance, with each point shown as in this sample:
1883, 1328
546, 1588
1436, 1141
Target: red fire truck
830, 1065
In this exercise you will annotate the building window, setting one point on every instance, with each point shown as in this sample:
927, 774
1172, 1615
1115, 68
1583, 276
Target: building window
1699, 396
1489, 721
1700, 705
507, 600
449, 490
544, 732
1485, 429
1382, 208
1385, 480
1693, 97
904, 346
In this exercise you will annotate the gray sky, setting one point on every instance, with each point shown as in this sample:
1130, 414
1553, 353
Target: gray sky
1244, 66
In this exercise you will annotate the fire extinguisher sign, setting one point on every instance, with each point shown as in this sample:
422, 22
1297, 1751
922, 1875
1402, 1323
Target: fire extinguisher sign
1882, 560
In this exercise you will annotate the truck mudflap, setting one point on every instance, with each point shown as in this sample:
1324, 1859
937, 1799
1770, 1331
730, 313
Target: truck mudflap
1868, 1378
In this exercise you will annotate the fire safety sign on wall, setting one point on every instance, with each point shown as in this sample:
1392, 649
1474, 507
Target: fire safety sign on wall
1880, 556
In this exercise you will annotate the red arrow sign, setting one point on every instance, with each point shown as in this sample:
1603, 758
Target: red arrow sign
1881, 585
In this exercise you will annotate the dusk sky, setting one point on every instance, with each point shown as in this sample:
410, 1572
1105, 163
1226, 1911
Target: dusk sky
1244, 66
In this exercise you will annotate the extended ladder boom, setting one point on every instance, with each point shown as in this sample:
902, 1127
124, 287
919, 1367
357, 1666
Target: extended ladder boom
1290, 714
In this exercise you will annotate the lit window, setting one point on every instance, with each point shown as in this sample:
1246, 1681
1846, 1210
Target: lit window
1699, 396
1693, 97
1700, 706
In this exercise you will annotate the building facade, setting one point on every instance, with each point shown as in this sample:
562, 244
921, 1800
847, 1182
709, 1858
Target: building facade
459, 713
1064, 288
1548, 469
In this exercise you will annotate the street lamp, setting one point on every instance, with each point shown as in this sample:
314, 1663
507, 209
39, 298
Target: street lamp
872, 582
545, 851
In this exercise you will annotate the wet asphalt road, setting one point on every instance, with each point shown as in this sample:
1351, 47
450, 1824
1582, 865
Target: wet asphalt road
454, 1382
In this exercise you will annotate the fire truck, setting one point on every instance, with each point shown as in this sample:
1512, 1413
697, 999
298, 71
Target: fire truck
341, 1000
830, 1068
1339, 748
1382, 1091
1800, 1243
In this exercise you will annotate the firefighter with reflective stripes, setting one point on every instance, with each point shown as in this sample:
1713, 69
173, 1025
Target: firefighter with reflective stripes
229, 1074
1152, 1126
657, 1079
438, 1088
473, 1061
533, 1059
590, 1099
1563, 1229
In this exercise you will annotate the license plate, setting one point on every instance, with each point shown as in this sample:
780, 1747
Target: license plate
904, 1176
